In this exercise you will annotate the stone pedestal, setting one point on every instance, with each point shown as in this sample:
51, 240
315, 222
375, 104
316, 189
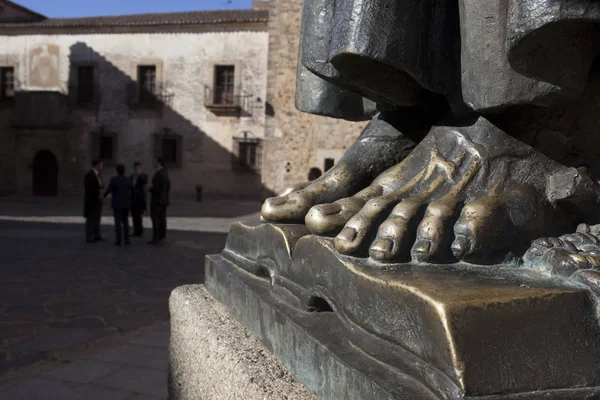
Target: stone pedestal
349, 328
213, 357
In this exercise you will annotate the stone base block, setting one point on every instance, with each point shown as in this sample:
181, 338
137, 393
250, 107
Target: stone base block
213, 357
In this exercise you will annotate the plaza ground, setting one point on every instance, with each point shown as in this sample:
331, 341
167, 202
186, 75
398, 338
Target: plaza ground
90, 321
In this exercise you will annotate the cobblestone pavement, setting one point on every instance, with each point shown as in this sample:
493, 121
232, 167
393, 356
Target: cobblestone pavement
132, 366
58, 293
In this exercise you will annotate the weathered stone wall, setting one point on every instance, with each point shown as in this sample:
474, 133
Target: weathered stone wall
294, 141
185, 64
68, 146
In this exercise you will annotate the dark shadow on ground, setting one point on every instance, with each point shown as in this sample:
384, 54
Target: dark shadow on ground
57, 292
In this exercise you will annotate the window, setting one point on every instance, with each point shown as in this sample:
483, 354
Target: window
7, 83
85, 84
329, 162
168, 147
247, 154
106, 148
147, 84
169, 151
224, 85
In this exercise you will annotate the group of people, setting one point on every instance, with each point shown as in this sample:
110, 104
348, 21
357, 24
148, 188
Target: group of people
128, 194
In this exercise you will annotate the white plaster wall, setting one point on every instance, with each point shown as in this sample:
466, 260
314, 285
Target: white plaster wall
185, 61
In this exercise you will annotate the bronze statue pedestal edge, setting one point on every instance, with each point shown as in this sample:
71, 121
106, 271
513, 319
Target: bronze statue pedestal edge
323, 351
446, 332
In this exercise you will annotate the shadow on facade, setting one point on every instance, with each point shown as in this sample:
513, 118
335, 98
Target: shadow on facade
143, 122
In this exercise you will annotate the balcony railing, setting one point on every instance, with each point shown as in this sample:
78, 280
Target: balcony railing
7, 96
227, 99
155, 97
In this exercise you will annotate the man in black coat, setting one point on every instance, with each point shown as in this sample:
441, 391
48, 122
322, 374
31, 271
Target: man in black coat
138, 200
92, 202
120, 187
159, 200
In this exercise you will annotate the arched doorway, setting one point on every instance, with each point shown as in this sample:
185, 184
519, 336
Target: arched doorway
45, 174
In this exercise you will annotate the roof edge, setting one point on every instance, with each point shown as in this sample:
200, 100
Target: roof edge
24, 9
150, 19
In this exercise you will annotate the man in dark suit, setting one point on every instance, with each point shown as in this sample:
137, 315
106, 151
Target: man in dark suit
138, 200
159, 200
120, 187
92, 202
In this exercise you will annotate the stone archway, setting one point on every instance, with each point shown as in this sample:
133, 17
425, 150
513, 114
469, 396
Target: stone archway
45, 174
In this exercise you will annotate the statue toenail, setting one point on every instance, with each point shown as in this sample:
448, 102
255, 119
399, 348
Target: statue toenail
331, 209
347, 235
421, 248
278, 201
460, 246
382, 246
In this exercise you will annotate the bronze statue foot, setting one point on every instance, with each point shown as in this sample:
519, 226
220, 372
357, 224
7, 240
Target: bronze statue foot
566, 254
468, 193
379, 147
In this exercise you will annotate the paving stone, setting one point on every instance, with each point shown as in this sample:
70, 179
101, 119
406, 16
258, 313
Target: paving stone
126, 322
81, 371
135, 355
136, 379
26, 309
80, 323
20, 360
53, 339
46, 389
14, 330
157, 338
148, 397
66, 283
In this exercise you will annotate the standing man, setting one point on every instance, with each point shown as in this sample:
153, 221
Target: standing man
138, 201
120, 187
92, 202
159, 200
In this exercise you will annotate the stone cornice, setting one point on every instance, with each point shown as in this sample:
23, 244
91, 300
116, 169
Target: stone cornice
189, 22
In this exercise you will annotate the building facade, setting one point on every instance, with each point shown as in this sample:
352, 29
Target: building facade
212, 92
294, 141
188, 87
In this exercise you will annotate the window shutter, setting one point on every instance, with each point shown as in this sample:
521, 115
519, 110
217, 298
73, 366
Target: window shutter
258, 166
132, 94
115, 147
235, 156
246, 155
160, 147
85, 84
95, 145
157, 146
179, 150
